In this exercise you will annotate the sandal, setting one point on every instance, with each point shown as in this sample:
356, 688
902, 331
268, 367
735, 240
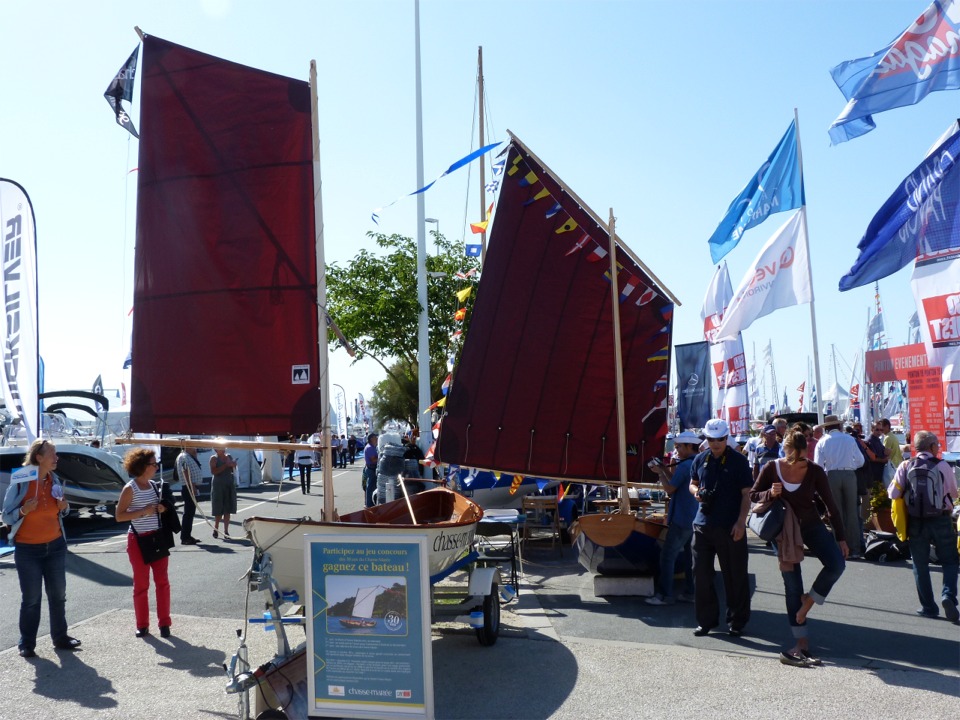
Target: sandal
811, 659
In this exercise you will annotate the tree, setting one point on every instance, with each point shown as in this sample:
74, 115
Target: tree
373, 300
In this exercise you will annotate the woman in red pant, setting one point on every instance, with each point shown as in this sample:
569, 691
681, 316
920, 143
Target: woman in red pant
140, 505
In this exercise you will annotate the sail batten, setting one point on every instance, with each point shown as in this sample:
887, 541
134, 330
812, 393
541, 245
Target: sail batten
534, 391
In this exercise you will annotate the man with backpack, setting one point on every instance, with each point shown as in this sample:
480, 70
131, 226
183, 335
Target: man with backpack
929, 488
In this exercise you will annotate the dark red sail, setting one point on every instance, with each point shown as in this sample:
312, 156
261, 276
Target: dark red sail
534, 390
225, 315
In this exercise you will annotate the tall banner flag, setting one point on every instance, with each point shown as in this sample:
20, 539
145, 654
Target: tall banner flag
693, 381
727, 357
920, 217
936, 288
121, 88
19, 374
778, 278
924, 59
776, 187
98, 388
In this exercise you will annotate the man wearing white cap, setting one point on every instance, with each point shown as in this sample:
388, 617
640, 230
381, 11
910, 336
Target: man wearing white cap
720, 478
839, 454
675, 480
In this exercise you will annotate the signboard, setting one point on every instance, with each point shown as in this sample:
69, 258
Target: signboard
368, 625
925, 388
891, 364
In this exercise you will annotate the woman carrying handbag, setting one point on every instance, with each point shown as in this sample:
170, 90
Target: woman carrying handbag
798, 482
140, 505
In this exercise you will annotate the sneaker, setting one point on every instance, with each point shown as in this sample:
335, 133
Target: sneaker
811, 659
950, 610
659, 600
686, 597
927, 613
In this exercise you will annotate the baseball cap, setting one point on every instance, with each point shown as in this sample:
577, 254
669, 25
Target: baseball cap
769, 429
715, 428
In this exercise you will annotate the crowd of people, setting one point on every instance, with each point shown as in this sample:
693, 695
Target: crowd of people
822, 476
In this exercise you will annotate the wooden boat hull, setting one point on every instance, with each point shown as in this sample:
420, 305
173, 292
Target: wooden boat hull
615, 544
447, 518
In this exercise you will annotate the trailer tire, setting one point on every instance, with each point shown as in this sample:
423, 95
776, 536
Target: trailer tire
487, 635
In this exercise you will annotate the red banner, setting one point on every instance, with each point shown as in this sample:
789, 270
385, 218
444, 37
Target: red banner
925, 389
894, 363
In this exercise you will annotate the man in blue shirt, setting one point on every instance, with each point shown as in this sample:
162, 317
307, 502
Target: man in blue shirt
683, 507
720, 478
370, 458
768, 449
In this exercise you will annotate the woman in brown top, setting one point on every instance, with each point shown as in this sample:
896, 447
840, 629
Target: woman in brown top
797, 482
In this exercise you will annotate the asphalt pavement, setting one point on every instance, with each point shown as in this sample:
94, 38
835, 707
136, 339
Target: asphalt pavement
562, 653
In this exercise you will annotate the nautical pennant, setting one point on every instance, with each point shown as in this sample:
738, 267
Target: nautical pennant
462, 295
568, 226
579, 244
597, 254
121, 88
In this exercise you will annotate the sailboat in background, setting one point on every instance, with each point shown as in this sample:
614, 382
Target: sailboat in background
361, 615
535, 388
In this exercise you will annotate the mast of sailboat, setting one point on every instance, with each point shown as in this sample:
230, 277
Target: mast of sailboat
806, 239
483, 199
323, 364
618, 369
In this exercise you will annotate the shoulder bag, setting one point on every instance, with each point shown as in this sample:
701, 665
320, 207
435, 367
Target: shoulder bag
770, 524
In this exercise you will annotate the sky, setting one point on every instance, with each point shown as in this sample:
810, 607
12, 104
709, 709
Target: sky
660, 110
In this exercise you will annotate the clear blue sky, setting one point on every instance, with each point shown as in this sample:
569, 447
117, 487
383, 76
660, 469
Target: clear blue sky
660, 110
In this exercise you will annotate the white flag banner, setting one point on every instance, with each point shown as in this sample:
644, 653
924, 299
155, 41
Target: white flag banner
778, 278
936, 289
19, 372
727, 357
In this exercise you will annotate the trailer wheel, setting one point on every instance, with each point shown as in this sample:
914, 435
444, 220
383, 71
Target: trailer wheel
487, 635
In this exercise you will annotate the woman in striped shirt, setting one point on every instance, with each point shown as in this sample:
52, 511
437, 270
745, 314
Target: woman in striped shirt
140, 505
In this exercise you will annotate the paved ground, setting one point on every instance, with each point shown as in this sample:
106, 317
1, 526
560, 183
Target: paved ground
563, 653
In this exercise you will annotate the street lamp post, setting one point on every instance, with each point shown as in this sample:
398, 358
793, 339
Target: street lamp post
436, 222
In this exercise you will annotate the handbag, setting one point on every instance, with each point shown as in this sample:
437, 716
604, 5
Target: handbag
770, 524
153, 546
888, 472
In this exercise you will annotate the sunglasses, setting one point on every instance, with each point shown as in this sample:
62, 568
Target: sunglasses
717, 440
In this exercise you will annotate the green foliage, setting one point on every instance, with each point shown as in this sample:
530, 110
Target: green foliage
373, 300
879, 498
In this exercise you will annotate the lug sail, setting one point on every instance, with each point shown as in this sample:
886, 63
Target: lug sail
534, 390
225, 330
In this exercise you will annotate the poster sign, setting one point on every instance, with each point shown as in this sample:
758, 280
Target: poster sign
368, 626
893, 363
926, 401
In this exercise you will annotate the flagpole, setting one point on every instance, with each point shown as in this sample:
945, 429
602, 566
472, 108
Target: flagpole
618, 369
806, 239
323, 363
483, 199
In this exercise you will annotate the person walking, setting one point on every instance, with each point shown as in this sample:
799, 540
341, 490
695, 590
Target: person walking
223, 491
720, 479
929, 489
370, 458
188, 469
352, 448
34, 508
140, 505
839, 455
675, 480
305, 463
797, 483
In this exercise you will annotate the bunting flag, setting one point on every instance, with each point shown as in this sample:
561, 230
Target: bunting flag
465, 275
515, 484
645, 297
925, 58
544, 193
492, 186
661, 383
121, 88
481, 227
778, 278
661, 354
569, 226
919, 217
629, 285
554, 209
460, 314
462, 295
456, 335
450, 363
597, 254
497, 167
579, 245
776, 187
529, 179
465, 160
473, 250
667, 312
438, 404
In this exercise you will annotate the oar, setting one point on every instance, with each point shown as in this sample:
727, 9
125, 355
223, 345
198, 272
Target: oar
407, 498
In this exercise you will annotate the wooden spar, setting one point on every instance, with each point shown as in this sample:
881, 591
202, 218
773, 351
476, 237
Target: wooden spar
212, 443
323, 364
586, 208
483, 210
618, 369
406, 497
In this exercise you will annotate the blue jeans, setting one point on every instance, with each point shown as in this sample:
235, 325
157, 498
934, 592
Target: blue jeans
371, 475
677, 541
39, 565
825, 548
921, 533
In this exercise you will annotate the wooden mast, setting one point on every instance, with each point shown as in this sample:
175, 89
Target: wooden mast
618, 370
